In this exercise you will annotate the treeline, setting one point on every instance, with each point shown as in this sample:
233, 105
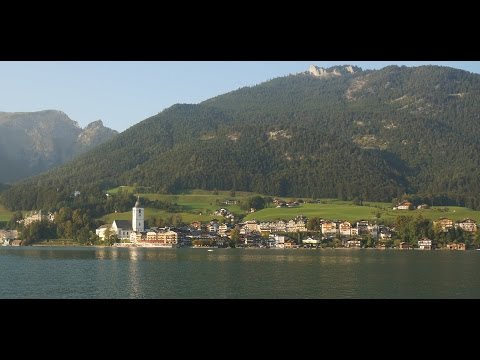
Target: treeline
92, 199
69, 224
411, 229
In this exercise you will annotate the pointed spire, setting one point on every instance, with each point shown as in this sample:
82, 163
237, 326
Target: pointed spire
137, 204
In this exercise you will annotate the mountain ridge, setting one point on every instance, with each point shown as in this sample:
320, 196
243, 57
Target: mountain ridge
369, 134
32, 142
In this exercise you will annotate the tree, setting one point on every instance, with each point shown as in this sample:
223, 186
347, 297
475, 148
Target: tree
111, 239
314, 224
84, 236
411, 229
255, 202
476, 240
268, 200
176, 220
394, 202
13, 223
38, 231
369, 242
108, 233
357, 201
235, 233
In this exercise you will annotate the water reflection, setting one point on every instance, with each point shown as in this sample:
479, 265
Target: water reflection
100, 253
133, 254
236, 273
50, 252
133, 274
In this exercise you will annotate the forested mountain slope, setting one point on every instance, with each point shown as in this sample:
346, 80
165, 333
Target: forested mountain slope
338, 132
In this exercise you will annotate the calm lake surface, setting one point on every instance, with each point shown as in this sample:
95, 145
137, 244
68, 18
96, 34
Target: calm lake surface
88, 272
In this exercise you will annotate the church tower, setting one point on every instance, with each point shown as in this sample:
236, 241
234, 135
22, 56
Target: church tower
138, 216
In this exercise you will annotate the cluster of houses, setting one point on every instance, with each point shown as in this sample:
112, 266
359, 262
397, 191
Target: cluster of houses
251, 233
407, 205
270, 234
445, 224
9, 237
281, 203
224, 213
36, 216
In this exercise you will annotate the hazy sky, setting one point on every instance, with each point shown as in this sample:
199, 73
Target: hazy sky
125, 93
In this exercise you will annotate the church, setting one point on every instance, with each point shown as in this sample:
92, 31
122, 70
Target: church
134, 232
125, 228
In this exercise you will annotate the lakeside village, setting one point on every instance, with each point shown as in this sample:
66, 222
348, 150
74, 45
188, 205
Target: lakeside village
295, 233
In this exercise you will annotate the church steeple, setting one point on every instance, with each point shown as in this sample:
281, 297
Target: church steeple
138, 216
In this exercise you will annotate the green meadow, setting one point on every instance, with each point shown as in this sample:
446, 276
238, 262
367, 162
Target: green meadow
197, 205
200, 204
380, 212
5, 215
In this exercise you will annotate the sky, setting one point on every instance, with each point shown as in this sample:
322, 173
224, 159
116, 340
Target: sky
123, 93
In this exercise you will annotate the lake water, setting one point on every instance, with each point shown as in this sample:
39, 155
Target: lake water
89, 272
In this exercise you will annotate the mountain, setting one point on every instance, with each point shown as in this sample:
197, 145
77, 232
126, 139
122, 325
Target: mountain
338, 132
32, 142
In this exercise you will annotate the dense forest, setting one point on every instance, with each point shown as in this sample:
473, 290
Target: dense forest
371, 135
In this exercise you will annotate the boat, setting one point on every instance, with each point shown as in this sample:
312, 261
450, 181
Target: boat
209, 250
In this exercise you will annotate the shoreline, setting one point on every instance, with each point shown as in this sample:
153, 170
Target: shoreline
243, 248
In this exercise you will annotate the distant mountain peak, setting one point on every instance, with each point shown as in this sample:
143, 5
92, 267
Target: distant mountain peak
332, 71
32, 142
95, 133
95, 124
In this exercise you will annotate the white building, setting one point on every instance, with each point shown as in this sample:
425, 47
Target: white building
138, 217
101, 231
213, 227
345, 228
354, 243
123, 229
311, 242
468, 225
279, 240
36, 216
425, 244
222, 229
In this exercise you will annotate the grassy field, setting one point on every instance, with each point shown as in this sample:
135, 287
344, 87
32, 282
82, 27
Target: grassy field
117, 189
199, 205
341, 210
5, 215
196, 205
195, 201
327, 211
149, 213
